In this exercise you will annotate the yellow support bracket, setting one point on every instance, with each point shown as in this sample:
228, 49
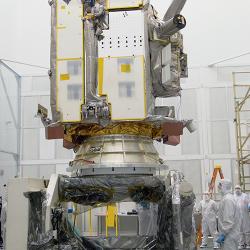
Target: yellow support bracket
112, 218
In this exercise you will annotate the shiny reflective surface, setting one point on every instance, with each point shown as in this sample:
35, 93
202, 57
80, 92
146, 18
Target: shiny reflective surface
117, 149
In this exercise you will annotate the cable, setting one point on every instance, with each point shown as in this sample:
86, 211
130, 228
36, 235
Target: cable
27, 64
228, 59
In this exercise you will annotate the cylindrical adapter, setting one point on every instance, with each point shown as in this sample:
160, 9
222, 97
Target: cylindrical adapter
170, 27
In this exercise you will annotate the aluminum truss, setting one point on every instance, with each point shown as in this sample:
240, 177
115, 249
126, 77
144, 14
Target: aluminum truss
242, 124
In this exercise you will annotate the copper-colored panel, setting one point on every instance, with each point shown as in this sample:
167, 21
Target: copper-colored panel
54, 132
172, 129
68, 144
172, 140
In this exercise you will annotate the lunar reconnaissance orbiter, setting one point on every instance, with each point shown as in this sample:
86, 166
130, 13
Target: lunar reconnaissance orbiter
110, 60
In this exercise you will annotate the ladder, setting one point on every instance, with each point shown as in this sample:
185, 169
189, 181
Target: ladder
217, 170
242, 126
211, 189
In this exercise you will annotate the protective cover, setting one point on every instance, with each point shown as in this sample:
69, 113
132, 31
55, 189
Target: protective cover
171, 87
35, 228
165, 221
187, 222
68, 238
109, 189
66, 241
172, 220
122, 242
38, 239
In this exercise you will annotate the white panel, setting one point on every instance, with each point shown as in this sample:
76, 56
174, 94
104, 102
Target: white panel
193, 78
29, 109
189, 104
208, 75
70, 84
166, 74
10, 140
218, 104
9, 110
220, 138
190, 142
117, 4
232, 138
47, 147
235, 172
61, 169
125, 36
26, 85
125, 91
8, 168
125, 207
166, 63
160, 147
172, 150
8, 137
30, 144
230, 100
224, 74
61, 152
18, 212
166, 55
69, 91
69, 29
40, 83
46, 171
31, 171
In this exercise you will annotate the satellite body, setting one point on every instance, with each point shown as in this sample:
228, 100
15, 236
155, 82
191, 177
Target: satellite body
110, 60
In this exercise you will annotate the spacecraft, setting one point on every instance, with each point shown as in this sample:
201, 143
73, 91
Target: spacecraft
110, 61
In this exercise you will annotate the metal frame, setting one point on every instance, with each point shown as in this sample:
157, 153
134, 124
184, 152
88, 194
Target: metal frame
16, 156
243, 152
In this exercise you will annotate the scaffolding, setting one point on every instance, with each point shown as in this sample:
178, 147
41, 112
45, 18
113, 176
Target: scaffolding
242, 125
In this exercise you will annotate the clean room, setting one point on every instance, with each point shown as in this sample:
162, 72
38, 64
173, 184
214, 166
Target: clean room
124, 124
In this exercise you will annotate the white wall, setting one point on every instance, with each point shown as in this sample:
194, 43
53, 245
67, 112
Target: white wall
25, 32
215, 29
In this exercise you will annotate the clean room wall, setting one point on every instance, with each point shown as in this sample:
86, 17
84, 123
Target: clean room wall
39, 157
25, 31
215, 31
9, 124
207, 97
